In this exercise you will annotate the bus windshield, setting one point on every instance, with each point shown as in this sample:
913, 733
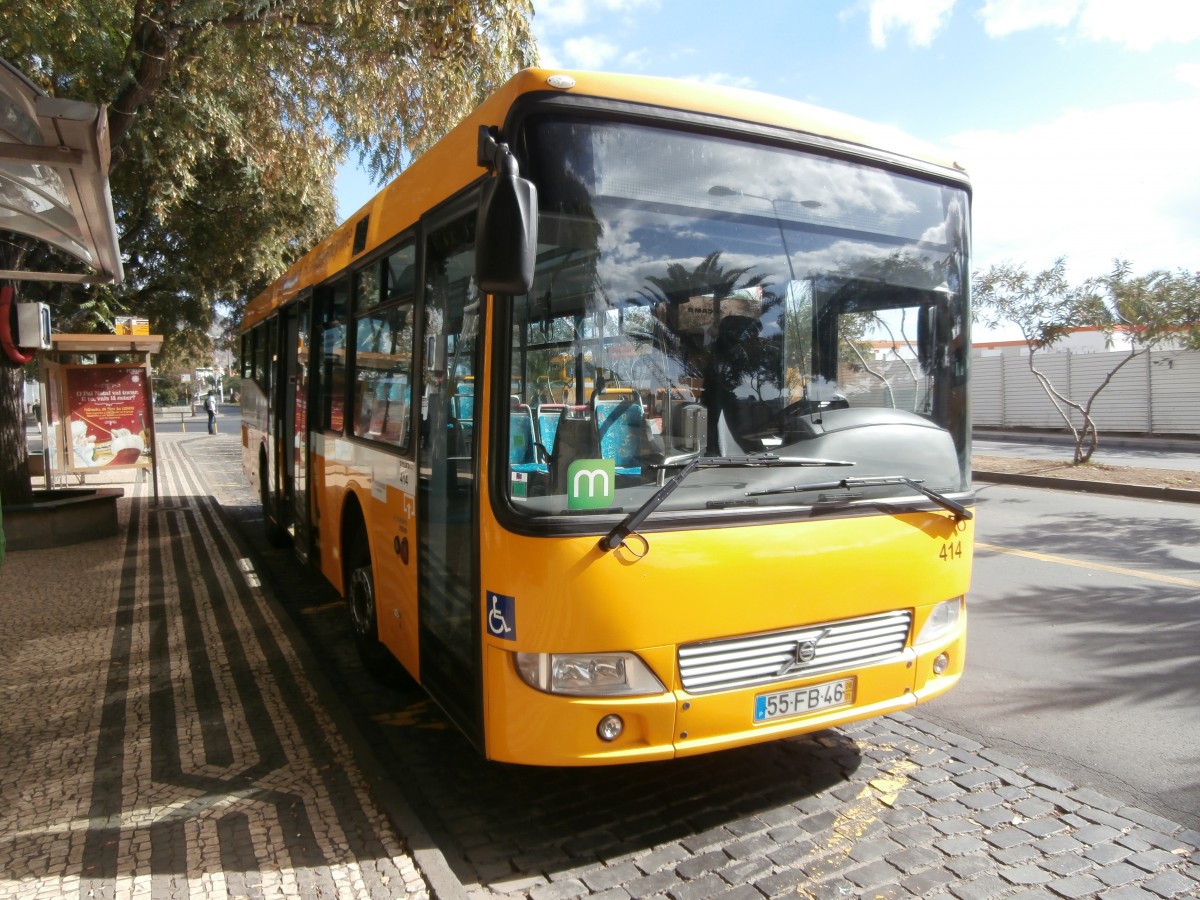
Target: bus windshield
705, 296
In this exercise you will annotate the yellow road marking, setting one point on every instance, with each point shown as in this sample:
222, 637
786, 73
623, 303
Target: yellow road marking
421, 714
857, 817
1099, 567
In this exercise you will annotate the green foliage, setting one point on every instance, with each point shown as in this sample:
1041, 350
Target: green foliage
171, 392
1043, 305
681, 284
227, 119
1156, 308
184, 351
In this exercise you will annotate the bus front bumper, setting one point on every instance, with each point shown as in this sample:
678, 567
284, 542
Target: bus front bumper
535, 728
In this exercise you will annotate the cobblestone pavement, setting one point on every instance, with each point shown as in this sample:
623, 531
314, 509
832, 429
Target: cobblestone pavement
889, 808
159, 736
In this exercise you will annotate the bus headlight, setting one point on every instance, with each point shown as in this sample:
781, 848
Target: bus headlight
942, 620
587, 674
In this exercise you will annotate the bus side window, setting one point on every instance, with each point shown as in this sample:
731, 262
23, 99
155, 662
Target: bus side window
383, 374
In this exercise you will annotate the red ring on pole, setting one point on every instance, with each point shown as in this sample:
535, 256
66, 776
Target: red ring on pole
15, 354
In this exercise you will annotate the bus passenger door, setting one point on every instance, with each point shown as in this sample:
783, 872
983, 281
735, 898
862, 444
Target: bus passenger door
275, 477
447, 461
329, 314
294, 428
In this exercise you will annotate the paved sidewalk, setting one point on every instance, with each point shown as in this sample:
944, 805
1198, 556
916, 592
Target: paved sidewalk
161, 736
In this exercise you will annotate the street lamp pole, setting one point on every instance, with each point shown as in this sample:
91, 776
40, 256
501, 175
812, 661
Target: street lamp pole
720, 190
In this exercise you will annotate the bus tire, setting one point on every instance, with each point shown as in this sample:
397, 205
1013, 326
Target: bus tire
364, 617
277, 536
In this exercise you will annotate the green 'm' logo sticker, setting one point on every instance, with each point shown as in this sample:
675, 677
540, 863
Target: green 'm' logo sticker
591, 484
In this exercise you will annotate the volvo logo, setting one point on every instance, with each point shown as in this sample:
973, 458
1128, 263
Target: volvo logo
804, 652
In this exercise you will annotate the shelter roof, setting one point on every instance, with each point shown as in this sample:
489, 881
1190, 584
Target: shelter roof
106, 343
54, 158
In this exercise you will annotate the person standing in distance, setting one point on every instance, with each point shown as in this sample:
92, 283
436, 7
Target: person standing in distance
210, 407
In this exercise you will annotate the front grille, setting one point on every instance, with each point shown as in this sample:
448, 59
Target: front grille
764, 658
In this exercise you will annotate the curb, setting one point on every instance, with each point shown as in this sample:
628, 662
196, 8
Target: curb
1139, 491
1176, 443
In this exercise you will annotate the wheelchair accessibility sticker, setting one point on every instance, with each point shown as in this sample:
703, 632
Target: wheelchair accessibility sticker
502, 616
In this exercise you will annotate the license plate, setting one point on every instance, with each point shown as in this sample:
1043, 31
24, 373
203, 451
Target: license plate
798, 701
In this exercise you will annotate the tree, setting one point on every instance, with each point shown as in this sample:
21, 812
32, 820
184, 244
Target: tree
680, 285
227, 119
1150, 310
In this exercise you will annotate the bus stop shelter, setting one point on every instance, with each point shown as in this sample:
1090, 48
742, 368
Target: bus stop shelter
54, 189
98, 416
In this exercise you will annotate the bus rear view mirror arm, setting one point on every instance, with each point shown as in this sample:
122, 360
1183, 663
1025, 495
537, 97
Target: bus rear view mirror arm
506, 229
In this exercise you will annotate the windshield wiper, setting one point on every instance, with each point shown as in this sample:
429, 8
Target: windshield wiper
960, 511
626, 526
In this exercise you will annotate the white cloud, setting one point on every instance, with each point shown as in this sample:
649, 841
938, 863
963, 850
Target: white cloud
1143, 24
566, 40
921, 19
548, 57
1003, 17
629, 5
636, 60
588, 52
1189, 73
1139, 25
565, 14
1122, 182
561, 13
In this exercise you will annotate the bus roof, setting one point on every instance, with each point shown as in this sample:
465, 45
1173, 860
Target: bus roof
451, 165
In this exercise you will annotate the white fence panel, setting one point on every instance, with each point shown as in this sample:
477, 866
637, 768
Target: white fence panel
1026, 404
1175, 390
1124, 404
987, 390
1155, 393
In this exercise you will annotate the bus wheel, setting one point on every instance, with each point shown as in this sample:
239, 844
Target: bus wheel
364, 620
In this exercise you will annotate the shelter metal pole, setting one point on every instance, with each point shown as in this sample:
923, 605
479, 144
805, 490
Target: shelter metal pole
153, 434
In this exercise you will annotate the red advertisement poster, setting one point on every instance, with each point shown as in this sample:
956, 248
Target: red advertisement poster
106, 409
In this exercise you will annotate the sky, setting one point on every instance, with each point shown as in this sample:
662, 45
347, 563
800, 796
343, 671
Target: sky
1077, 120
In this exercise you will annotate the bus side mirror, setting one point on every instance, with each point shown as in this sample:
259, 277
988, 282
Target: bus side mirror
506, 228
932, 328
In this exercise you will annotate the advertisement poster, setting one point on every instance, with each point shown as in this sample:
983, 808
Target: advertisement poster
106, 415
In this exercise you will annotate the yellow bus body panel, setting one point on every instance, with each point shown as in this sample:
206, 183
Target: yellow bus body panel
704, 584
390, 517
327, 486
392, 521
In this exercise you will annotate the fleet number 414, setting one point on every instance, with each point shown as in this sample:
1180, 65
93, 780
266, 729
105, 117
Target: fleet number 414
951, 550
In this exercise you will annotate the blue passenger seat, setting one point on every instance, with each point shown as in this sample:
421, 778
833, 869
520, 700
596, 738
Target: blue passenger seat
523, 451
619, 422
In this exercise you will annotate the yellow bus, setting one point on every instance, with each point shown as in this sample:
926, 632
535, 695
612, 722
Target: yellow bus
632, 420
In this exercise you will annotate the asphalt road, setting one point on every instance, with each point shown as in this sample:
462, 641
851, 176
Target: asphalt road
1084, 642
175, 419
